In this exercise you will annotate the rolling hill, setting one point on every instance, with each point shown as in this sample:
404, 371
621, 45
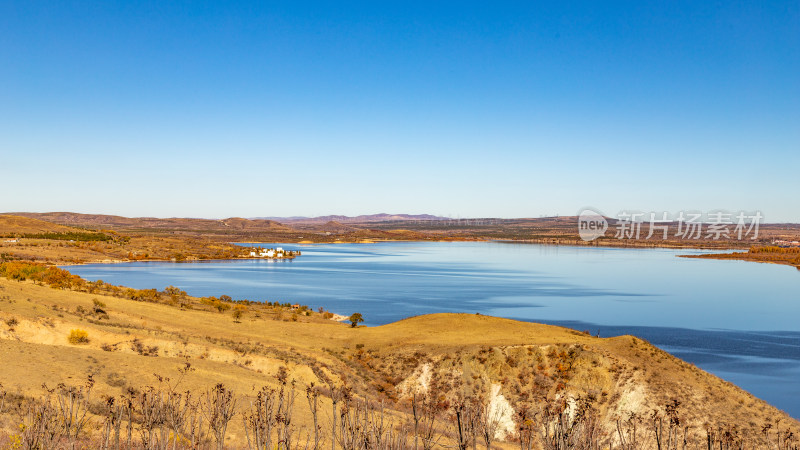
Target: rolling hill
233, 224
11, 225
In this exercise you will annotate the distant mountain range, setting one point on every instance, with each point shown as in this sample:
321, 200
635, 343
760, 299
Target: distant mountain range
383, 217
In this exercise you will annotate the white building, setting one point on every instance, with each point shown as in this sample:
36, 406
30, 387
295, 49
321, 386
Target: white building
267, 253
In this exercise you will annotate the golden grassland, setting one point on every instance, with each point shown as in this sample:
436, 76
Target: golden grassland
446, 355
11, 225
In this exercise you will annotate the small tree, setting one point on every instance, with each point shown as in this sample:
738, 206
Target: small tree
174, 292
355, 319
238, 311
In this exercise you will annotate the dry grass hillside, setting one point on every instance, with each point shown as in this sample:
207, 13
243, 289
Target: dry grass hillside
526, 378
38, 240
160, 225
11, 225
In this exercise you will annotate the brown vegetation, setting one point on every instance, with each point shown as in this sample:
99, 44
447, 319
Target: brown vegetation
763, 254
12, 225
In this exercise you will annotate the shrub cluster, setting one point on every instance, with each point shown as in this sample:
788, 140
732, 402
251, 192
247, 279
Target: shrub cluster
775, 249
78, 336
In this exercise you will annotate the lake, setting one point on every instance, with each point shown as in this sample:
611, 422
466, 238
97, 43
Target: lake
739, 320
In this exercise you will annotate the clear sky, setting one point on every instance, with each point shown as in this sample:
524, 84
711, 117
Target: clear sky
471, 109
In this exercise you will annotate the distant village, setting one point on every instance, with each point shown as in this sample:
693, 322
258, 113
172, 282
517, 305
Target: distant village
273, 253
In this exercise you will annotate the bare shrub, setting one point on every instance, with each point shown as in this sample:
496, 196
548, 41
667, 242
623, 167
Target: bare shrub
41, 427
112, 422
219, 405
259, 420
73, 406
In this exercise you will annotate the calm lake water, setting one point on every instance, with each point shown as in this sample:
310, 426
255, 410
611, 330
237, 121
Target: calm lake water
738, 320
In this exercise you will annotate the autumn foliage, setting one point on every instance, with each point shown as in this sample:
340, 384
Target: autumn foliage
50, 275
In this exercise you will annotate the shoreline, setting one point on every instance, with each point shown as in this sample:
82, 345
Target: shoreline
571, 243
625, 245
744, 258
123, 261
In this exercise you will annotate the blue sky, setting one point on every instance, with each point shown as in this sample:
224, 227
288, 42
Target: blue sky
470, 109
